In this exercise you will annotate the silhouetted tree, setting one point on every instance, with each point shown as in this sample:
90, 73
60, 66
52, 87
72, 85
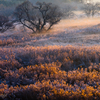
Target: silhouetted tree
90, 9
38, 18
5, 23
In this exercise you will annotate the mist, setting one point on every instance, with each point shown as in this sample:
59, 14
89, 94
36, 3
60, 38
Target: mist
7, 7
48, 1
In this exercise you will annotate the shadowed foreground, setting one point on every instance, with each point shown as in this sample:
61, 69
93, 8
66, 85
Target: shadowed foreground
52, 72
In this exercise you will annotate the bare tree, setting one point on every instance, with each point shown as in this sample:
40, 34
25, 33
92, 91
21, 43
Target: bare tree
67, 10
5, 23
90, 9
38, 18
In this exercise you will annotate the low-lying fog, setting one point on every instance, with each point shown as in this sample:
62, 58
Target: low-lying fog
81, 32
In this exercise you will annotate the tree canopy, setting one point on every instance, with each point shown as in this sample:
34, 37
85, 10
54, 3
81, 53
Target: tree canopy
40, 17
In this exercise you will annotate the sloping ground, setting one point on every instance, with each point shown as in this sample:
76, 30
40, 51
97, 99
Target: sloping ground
83, 32
77, 23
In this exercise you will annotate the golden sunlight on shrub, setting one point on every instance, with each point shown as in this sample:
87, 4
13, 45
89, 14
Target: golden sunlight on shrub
48, 73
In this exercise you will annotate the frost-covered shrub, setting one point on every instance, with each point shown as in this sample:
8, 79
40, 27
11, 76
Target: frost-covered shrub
53, 72
68, 56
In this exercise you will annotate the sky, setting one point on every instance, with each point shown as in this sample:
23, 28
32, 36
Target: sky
95, 0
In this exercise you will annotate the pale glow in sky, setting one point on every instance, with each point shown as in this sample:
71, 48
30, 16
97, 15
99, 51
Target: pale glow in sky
96, 0
92, 1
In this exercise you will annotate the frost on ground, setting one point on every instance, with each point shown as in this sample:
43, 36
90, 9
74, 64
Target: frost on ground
59, 64
71, 35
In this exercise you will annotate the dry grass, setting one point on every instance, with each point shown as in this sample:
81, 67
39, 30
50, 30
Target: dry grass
54, 72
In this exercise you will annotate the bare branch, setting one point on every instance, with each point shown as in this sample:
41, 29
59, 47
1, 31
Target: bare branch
5, 23
36, 17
